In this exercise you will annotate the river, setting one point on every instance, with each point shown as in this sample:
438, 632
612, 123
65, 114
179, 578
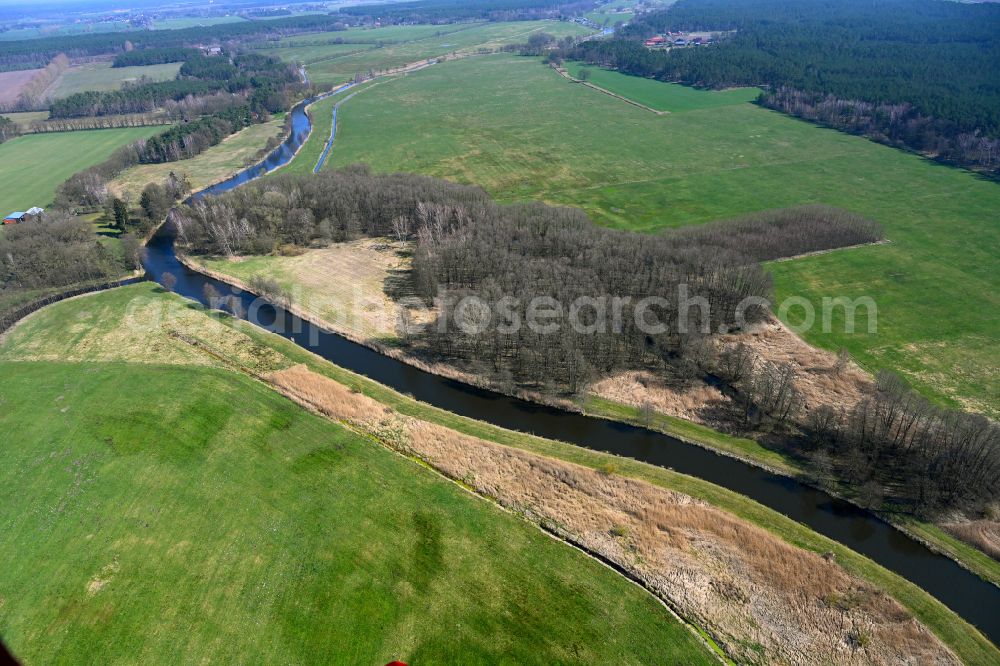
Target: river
976, 600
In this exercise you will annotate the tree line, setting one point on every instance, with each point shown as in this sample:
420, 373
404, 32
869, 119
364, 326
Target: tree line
201, 75
938, 61
899, 125
447, 11
154, 56
96, 122
9, 129
36, 53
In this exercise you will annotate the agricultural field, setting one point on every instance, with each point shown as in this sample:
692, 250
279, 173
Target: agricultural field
27, 117
37, 164
609, 18
343, 284
11, 83
217, 519
193, 22
337, 63
101, 76
215, 164
523, 132
53, 30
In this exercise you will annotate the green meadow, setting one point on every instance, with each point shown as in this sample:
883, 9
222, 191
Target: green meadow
185, 513
671, 97
102, 76
333, 63
36, 164
523, 132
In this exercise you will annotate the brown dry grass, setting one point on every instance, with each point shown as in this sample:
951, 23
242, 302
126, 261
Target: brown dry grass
983, 534
817, 379
762, 599
694, 400
342, 285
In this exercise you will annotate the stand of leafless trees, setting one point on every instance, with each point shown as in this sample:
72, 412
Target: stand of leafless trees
510, 256
96, 122
54, 252
899, 125
892, 447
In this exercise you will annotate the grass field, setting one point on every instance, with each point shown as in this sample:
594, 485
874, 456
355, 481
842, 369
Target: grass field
27, 117
322, 118
521, 131
194, 21
211, 166
185, 513
91, 330
33, 166
331, 64
102, 76
53, 30
661, 96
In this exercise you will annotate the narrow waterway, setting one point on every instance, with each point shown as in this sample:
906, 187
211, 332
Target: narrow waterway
968, 595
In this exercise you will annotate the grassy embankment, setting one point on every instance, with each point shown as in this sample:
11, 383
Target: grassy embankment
33, 166
522, 132
322, 119
215, 164
156, 513
95, 333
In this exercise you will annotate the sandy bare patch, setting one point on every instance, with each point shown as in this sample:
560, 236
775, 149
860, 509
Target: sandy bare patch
345, 285
105, 576
762, 599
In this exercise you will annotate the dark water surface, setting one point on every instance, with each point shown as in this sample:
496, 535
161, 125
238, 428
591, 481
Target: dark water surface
976, 600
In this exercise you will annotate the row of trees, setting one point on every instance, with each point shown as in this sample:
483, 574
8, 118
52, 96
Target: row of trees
142, 97
936, 61
96, 122
36, 53
448, 11
9, 129
891, 447
189, 139
153, 56
264, 77
32, 95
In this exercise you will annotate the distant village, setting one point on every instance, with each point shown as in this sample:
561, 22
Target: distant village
681, 39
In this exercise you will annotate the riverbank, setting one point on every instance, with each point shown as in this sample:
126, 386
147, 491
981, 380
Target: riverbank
740, 448
263, 353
